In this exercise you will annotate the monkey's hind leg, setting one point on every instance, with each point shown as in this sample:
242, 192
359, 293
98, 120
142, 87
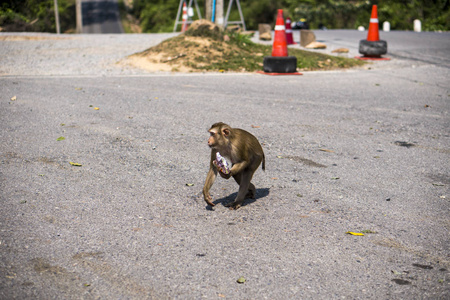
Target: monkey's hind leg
251, 189
245, 188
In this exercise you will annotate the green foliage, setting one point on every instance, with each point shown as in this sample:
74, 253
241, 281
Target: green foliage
262, 11
7, 16
159, 15
435, 15
332, 14
442, 22
36, 15
335, 14
156, 15
9, 13
241, 40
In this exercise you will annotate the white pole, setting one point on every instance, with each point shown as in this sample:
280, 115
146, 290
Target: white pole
417, 25
219, 13
79, 17
58, 31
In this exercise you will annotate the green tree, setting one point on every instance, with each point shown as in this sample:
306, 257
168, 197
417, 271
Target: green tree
262, 11
334, 14
434, 14
36, 15
159, 15
156, 15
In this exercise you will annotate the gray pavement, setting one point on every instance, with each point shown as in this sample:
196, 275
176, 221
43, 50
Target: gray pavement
358, 150
101, 16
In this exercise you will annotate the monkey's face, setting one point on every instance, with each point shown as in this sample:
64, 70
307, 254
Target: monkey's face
212, 141
219, 137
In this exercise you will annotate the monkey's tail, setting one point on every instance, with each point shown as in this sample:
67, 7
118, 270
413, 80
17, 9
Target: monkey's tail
264, 163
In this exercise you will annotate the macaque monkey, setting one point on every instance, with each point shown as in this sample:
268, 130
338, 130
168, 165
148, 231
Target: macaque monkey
245, 153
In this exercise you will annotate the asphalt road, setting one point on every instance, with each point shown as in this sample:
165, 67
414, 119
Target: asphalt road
409, 48
426, 47
101, 16
358, 150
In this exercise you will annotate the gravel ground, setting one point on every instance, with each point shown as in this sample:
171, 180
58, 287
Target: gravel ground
356, 150
63, 55
103, 54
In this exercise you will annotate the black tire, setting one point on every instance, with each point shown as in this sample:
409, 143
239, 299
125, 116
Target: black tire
370, 48
280, 64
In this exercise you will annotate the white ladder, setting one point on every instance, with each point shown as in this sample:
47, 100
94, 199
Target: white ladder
242, 22
180, 7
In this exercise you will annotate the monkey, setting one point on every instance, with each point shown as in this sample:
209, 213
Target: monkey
245, 153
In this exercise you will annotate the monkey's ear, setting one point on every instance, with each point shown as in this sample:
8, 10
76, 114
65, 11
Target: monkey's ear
226, 131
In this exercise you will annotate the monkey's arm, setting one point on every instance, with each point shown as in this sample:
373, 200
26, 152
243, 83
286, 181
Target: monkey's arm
238, 167
222, 174
210, 178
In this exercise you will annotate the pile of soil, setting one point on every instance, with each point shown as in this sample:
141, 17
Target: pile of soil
207, 47
200, 47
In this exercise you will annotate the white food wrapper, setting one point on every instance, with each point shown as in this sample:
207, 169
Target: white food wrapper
222, 164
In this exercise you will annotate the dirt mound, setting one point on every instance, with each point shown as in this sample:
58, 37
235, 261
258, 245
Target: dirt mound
201, 47
205, 29
207, 47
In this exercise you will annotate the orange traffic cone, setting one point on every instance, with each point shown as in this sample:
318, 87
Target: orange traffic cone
185, 18
279, 47
280, 63
373, 47
373, 34
289, 37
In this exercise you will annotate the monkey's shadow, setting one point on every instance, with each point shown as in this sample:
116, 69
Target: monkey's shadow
260, 193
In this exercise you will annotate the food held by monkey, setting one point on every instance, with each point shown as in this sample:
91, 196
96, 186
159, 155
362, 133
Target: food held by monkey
222, 164
245, 153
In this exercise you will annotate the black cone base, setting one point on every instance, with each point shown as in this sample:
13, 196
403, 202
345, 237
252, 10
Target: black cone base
280, 64
370, 48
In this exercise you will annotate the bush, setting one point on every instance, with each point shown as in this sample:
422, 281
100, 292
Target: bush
37, 15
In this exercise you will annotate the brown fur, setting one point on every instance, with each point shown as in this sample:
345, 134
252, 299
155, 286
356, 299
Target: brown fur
245, 153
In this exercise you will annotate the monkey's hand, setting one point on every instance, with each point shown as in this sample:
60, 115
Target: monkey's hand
222, 174
208, 199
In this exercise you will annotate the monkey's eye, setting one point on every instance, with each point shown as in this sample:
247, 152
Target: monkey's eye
211, 133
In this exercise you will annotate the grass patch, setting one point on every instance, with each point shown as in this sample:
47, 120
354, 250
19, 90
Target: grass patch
129, 23
205, 47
